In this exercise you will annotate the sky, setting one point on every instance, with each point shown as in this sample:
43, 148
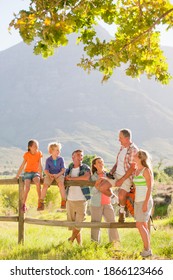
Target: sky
8, 7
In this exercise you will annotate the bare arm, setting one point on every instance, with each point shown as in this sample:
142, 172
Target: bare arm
129, 172
60, 173
40, 167
149, 181
85, 177
21, 169
113, 169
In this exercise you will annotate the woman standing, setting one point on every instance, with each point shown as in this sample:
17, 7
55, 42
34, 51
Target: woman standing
101, 204
143, 181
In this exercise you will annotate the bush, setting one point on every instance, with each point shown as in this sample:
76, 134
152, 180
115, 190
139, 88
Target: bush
161, 177
169, 171
9, 198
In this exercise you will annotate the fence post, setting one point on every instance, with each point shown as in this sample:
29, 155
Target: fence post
21, 213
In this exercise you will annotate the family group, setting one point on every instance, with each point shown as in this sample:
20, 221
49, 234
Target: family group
132, 168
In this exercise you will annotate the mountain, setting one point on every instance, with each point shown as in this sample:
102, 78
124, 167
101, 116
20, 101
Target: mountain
54, 99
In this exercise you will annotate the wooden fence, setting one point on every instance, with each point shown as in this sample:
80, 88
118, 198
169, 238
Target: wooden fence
21, 219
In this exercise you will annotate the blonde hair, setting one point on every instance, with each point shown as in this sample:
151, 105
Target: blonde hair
53, 145
145, 158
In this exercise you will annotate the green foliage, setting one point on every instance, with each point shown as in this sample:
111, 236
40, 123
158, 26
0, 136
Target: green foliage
161, 210
53, 197
136, 42
9, 198
50, 243
161, 176
88, 159
170, 209
169, 171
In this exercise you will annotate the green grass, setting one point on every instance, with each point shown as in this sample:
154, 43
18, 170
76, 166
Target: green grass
50, 243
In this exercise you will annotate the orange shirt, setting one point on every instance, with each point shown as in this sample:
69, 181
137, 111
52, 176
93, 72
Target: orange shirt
32, 161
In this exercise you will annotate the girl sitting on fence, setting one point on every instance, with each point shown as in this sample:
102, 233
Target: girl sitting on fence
32, 165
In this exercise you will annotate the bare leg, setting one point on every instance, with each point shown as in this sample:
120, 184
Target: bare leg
122, 197
79, 238
75, 235
44, 191
122, 201
26, 190
62, 190
36, 180
144, 232
104, 186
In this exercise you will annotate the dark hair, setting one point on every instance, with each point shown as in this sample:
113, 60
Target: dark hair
93, 168
126, 132
31, 142
77, 151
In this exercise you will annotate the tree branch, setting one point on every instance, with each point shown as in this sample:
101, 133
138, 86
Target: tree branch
149, 29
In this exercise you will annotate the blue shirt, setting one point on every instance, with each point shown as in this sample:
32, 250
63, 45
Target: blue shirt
54, 166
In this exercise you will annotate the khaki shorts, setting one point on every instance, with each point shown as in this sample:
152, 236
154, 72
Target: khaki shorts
76, 211
141, 216
48, 181
125, 186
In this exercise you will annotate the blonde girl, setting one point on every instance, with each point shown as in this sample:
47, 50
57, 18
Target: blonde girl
143, 181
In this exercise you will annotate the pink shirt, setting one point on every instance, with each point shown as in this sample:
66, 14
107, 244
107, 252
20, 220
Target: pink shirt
104, 198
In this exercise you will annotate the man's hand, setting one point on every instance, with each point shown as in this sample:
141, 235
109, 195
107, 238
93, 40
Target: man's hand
119, 182
68, 177
98, 183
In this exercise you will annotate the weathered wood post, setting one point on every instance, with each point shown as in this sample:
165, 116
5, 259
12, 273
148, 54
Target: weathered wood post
21, 213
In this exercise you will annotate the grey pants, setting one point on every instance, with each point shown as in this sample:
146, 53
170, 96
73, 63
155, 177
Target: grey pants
107, 212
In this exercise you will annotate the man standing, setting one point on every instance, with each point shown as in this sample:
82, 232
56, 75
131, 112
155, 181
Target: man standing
77, 196
122, 170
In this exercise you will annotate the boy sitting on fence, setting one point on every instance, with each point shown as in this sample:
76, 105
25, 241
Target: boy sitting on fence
54, 170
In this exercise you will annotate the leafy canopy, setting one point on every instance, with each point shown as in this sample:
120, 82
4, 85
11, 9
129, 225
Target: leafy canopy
136, 42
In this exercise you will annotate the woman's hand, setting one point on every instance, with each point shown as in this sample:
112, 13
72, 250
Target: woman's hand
145, 206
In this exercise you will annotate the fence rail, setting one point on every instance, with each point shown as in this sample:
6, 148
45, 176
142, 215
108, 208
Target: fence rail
22, 220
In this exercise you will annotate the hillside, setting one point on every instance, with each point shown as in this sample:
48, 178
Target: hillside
54, 99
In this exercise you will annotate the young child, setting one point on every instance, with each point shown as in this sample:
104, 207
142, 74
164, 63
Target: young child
54, 170
101, 204
143, 181
32, 165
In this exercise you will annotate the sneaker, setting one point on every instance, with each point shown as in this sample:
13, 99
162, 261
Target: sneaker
146, 253
121, 217
24, 208
63, 204
40, 206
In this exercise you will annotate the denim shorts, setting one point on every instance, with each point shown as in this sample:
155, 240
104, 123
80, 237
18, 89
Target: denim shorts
30, 175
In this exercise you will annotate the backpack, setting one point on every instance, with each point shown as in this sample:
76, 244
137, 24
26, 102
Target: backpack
130, 200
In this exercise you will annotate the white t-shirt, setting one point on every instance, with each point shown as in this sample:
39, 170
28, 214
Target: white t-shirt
120, 164
75, 192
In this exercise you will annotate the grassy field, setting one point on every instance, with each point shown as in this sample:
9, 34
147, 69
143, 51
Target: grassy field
50, 243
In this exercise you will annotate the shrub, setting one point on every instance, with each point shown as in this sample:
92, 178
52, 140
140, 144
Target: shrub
9, 198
